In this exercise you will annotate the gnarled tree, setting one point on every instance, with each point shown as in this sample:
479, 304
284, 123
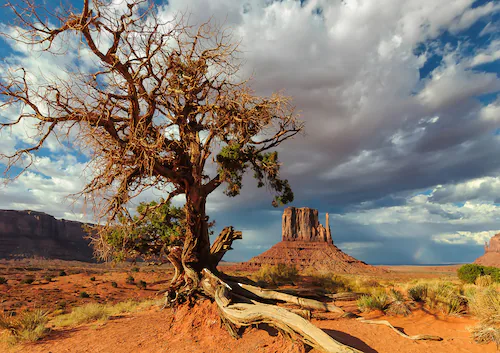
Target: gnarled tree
160, 106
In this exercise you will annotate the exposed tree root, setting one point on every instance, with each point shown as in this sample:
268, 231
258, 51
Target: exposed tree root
245, 314
288, 298
402, 334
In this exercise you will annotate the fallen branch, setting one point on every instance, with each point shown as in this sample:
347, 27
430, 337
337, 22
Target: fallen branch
388, 324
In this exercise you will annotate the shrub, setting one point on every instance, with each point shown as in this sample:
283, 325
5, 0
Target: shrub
418, 292
398, 305
142, 284
28, 280
378, 301
114, 284
62, 273
26, 327
484, 303
130, 280
135, 269
3, 280
470, 272
277, 274
84, 295
92, 279
446, 297
48, 278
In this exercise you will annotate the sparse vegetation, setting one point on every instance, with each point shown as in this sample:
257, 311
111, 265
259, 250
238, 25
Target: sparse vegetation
62, 273
29, 326
331, 282
277, 274
135, 269
3, 280
142, 284
376, 301
84, 295
92, 279
398, 304
130, 280
484, 303
28, 280
418, 292
114, 284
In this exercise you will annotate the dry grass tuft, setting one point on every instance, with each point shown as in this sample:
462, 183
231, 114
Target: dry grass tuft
398, 306
277, 274
377, 301
28, 326
484, 334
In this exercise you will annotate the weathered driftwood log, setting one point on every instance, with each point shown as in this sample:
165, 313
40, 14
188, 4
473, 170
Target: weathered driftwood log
347, 296
244, 314
402, 334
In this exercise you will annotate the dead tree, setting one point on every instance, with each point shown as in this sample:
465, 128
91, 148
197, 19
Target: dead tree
162, 106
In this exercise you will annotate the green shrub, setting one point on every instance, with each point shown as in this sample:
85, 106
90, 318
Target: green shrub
26, 327
84, 295
277, 274
92, 279
48, 278
142, 284
114, 284
135, 269
3, 280
470, 272
62, 273
130, 280
377, 301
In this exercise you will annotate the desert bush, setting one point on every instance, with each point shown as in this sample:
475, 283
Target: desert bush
484, 303
48, 278
114, 284
446, 296
484, 334
62, 273
277, 274
84, 295
378, 301
417, 292
29, 326
398, 304
470, 272
28, 280
135, 269
3, 280
142, 284
92, 278
130, 280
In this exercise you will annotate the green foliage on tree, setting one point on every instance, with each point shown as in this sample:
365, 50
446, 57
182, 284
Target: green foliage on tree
146, 235
470, 272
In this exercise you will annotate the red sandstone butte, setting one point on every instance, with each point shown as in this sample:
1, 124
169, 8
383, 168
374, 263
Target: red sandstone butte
491, 255
307, 243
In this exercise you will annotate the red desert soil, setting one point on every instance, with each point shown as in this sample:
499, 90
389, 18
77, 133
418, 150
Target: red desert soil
199, 330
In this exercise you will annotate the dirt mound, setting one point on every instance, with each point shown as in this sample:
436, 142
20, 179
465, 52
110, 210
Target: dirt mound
321, 256
491, 255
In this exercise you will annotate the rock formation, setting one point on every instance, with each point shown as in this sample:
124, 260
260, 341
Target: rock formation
301, 224
306, 243
37, 234
491, 255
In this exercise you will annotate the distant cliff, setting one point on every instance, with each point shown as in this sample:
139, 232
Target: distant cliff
31, 233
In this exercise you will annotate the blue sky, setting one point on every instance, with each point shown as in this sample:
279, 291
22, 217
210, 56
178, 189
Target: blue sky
401, 104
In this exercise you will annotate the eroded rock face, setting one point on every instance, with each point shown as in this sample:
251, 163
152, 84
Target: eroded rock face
308, 244
31, 233
491, 255
302, 224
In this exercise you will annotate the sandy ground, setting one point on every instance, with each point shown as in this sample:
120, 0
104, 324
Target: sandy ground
199, 330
